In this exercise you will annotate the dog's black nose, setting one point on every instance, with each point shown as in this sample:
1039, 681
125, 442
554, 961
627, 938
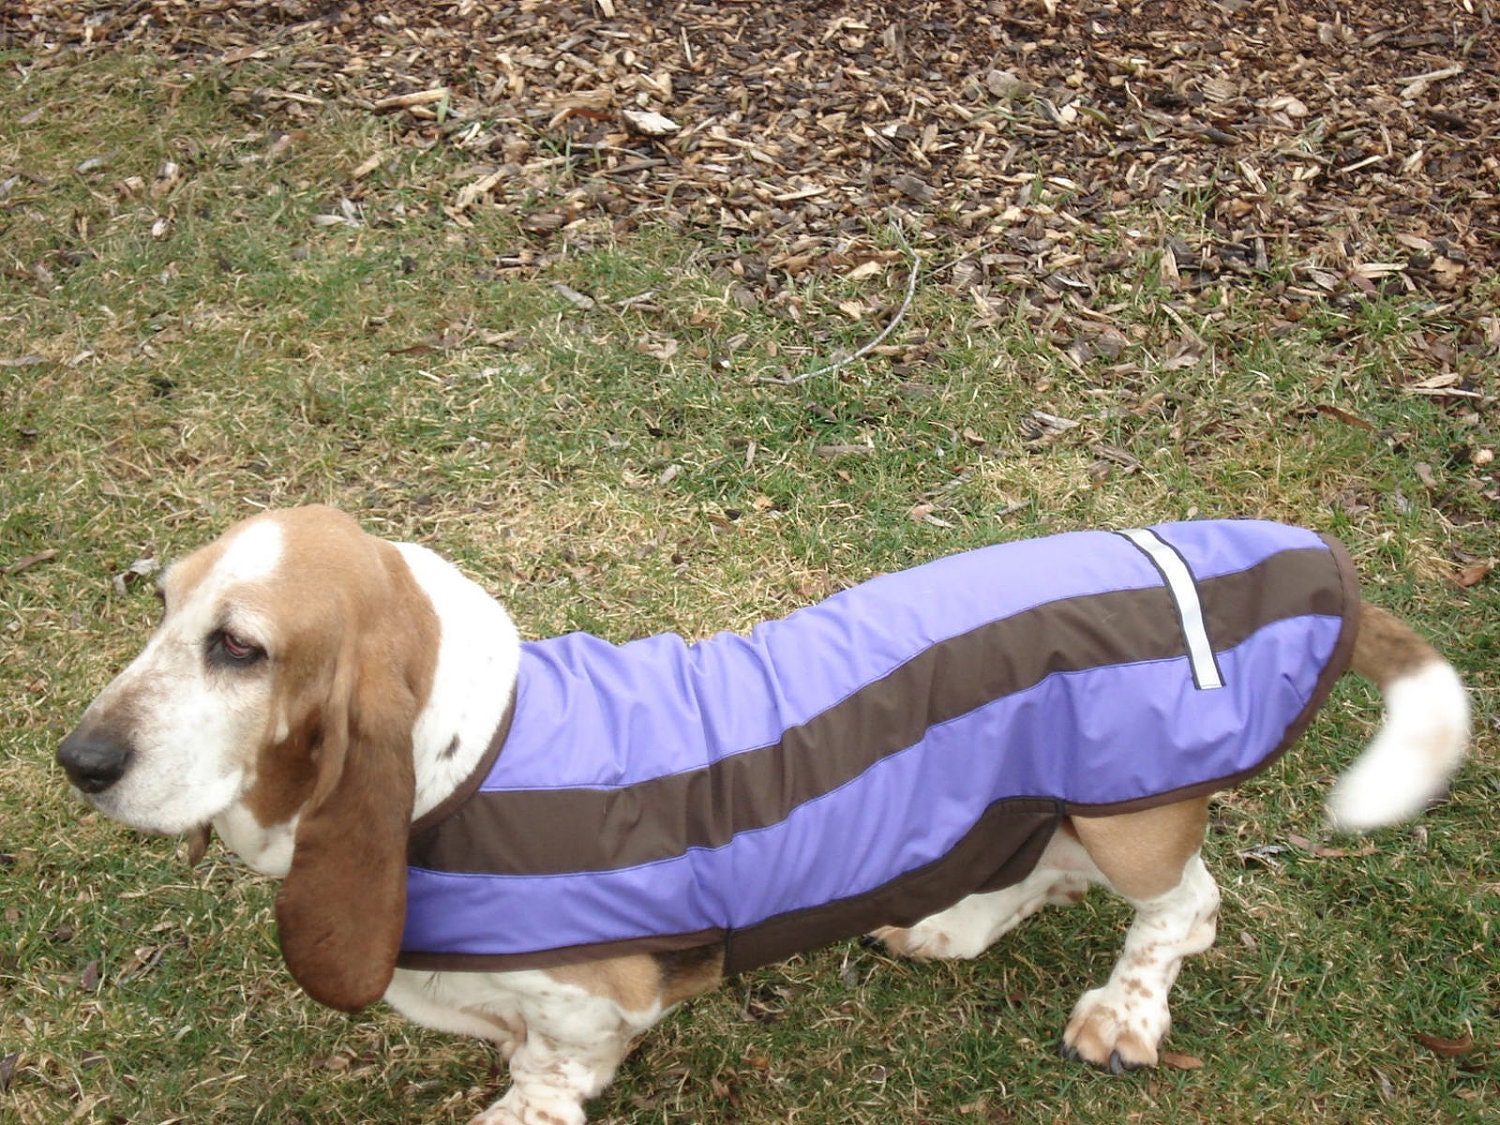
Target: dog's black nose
93, 760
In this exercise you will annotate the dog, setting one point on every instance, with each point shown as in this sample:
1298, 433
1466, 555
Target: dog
551, 844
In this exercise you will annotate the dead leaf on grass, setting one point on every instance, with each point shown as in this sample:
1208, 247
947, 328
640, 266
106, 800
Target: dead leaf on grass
1448, 1048
140, 961
1348, 417
1322, 851
658, 347
1473, 574
140, 568
31, 560
1179, 1061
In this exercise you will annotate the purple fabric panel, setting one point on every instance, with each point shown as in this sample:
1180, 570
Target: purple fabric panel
1138, 730
733, 693
1068, 737
1214, 547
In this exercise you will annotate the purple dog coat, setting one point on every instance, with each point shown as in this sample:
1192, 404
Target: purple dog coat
874, 758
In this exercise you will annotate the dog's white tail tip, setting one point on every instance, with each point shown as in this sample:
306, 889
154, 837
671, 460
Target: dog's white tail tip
1413, 755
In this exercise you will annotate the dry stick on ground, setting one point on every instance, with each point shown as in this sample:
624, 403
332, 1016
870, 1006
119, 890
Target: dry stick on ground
911, 289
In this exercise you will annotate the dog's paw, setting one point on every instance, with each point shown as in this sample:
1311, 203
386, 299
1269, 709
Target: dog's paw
920, 942
508, 1111
1116, 1036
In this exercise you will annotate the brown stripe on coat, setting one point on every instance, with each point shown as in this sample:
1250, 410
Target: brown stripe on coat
564, 831
551, 958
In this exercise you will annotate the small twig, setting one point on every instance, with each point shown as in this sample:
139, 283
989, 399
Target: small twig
911, 289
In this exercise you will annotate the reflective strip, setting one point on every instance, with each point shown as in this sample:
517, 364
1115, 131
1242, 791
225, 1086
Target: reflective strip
1184, 591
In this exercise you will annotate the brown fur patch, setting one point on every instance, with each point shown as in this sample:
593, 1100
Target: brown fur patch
1143, 854
639, 981
1386, 648
631, 982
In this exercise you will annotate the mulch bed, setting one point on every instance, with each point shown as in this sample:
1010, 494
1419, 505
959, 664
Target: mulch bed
1328, 151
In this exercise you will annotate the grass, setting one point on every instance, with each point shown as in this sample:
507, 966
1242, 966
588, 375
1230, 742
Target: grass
626, 469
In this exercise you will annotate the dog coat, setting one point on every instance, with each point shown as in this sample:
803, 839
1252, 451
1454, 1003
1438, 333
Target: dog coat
874, 758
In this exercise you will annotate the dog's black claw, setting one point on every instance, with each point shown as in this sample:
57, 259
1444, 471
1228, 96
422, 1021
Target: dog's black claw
1066, 1050
870, 941
1117, 1065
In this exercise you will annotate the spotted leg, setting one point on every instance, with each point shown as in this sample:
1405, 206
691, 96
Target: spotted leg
1120, 1025
551, 1079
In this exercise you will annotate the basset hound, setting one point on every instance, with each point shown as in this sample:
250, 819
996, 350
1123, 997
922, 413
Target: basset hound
550, 844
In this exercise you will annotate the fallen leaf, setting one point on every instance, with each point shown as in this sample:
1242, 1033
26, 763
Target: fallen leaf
581, 301
141, 960
1180, 1062
657, 348
141, 568
88, 980
1349, 418
1473, 574
30, 561
1448, 1048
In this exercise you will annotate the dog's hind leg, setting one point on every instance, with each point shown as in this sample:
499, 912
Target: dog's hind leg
970, 926
1152, 859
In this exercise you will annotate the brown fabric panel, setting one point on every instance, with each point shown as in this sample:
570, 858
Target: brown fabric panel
1344, 603
552, 958
571, 830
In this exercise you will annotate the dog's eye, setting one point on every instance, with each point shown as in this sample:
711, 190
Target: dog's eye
233, 649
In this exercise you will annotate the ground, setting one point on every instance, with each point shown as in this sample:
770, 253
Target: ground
1358, 143
527, 283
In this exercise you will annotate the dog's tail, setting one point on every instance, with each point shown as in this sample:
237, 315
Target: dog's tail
1423, 738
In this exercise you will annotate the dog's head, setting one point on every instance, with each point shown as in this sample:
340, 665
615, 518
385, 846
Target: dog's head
279, 695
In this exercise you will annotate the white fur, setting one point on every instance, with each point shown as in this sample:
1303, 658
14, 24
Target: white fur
193, 726
1411, 758
266, 849
1122, 1022
563, 1043
479, 651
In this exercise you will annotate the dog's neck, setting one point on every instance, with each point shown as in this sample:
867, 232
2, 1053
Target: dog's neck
478, 656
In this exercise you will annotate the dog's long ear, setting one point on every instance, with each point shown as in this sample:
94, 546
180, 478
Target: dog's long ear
342, 906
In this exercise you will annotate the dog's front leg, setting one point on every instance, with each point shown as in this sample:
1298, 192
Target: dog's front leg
574, 1040
551, 1079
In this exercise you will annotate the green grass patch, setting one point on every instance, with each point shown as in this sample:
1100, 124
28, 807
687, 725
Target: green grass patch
257, 327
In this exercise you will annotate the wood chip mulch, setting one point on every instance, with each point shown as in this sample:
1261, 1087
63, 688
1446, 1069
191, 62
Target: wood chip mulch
1327, 151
